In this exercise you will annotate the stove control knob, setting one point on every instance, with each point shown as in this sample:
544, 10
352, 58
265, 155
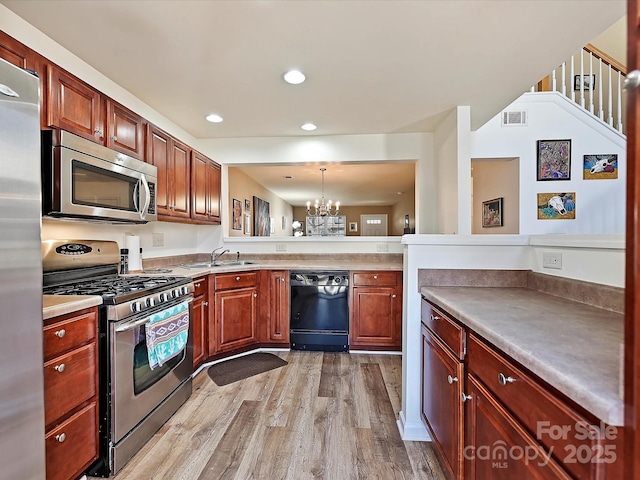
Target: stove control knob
136, 307
184, 290
150, 302
164, 297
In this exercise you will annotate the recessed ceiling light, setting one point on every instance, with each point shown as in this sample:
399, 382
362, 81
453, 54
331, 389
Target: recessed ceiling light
308, 127
294, 77
213, 118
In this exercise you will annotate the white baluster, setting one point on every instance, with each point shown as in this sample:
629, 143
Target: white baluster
600, 109
610, 102
582, 78
591, 86
553, 80
573, 93
564, 79
619, 102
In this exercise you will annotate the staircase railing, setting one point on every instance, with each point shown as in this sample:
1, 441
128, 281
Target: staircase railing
592, 71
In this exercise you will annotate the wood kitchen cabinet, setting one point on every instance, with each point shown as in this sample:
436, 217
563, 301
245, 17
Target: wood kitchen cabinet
205, 189
75, 106
442, 387
236, 311
173, 160
376, 311
278, 315
200, 320
70, 393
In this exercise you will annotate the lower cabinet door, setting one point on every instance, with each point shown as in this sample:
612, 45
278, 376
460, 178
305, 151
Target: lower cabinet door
72, 445
497, 446
236, 317
199, 322
442, 407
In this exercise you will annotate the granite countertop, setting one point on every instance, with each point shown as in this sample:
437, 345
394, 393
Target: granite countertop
576, 348
55, 305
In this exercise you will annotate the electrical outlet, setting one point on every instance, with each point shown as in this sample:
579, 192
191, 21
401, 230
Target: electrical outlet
158, 239
281, 247
382, 247
552, 260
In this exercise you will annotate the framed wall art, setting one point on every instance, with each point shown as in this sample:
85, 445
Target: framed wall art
554, 159
237, 215
600, 167
586, 81
557, 206
247, 205
247, 224
262, 218
492, 213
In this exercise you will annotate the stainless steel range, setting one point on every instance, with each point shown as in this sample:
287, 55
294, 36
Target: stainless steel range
140, 387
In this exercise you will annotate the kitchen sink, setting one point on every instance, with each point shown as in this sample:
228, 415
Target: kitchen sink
230, 263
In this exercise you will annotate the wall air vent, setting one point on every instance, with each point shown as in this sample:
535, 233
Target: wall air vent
513, 119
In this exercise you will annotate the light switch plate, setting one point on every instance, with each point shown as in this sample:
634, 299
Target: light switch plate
158, 239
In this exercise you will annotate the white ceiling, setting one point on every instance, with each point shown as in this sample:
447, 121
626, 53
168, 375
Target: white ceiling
372, 66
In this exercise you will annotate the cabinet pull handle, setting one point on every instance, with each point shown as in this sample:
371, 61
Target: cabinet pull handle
61, 333
237, 279
451, 379
502, 380
60, 368
61, 437
434, 317
464, 397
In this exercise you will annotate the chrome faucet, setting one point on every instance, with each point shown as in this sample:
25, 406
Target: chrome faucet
215, 255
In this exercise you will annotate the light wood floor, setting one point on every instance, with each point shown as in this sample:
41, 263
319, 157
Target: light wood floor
323, 416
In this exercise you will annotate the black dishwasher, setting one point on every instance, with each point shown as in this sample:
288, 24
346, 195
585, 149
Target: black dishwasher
320, 311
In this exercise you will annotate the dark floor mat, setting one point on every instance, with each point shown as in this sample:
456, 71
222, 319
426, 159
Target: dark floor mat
230, 371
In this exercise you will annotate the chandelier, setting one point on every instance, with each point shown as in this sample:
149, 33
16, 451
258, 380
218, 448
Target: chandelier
322, 209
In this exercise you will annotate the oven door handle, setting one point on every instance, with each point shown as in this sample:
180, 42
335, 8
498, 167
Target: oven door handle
131, 325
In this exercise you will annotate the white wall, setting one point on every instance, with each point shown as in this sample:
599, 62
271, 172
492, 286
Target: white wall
445, 152
600, 204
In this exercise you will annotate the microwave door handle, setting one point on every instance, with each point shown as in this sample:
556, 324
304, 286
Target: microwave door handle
135, 196
147, 199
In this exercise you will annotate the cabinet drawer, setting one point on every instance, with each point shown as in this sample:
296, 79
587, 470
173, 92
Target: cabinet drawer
365, 279
235, 280
200, 285
450, 332
60, 337
69, 380
72, 445
537, 409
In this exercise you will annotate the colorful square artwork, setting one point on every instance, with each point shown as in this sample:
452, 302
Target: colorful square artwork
557, 206
600, 167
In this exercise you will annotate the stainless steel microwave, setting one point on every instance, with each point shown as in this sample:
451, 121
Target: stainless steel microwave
84, 180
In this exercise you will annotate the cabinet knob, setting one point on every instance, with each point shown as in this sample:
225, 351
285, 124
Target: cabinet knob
434, 317
61, 333
464, 397
393, 296
237, 279
451, 379
206, 304
114, 138
503, 380
375, 277
60, 368
97, 131
197, 285
282, 279
61, 437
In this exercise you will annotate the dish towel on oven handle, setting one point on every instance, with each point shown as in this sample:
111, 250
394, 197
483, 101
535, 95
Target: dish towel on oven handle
167, 332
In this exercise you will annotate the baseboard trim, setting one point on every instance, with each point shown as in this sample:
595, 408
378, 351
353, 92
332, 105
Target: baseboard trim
413, 432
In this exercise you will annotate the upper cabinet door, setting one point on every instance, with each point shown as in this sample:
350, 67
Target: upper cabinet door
158, 154
74, 106
214, 179
126, 130
13, 51
180, 179
199, 200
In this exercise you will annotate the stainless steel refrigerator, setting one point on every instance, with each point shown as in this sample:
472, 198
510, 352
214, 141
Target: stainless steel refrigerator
22, 453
